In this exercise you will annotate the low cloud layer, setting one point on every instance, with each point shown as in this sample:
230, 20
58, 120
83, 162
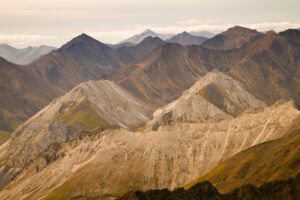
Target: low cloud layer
23, 40
189, 25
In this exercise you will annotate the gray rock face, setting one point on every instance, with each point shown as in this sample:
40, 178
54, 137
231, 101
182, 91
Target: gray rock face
215, 95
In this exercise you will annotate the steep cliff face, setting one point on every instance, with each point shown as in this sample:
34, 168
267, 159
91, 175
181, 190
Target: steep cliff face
116, 161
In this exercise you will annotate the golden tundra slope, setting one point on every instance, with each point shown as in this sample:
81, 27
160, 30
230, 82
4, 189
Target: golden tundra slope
116, 161
274, 160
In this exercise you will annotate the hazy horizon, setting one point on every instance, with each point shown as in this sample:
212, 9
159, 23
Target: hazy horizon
34, 23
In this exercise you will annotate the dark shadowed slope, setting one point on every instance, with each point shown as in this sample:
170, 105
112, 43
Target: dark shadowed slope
22, 94
148, 44
81, 59
270, 68
234, 37
276, 190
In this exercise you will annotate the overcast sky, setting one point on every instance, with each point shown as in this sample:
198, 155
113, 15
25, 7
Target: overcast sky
54, 22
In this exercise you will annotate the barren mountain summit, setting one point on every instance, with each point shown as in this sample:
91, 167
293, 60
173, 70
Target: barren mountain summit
213, 95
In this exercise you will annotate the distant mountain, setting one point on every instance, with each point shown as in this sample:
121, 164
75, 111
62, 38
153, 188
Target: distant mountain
125, 44
84, 58
202, 34
234, 37
139, 37
293, 35
147, 45
185, 39
268, 66
23, 56
22, 93
81, 59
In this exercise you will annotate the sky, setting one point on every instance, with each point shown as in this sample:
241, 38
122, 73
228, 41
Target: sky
54, 22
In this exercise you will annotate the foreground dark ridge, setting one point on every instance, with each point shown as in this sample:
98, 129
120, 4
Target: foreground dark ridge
284, 189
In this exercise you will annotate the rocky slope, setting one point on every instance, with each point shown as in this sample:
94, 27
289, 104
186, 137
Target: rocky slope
274, 160
234, 37
88, 106
169, 157
25, 55
214, 95
185, 39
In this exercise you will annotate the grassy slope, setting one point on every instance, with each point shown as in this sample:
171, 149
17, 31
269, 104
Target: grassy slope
82, 115
3, 134
275, 160
215, 95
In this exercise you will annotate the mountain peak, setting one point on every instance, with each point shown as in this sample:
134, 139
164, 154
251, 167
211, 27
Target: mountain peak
239, 29
232, 38
148, 31
82, 39
185, 33
151, 39
83, 36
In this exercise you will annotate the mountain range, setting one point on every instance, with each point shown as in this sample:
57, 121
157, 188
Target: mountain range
94, 121
25, 55
184, 38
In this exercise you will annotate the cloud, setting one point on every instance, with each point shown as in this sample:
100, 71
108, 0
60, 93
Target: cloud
188, 25
21, 39
196, 22
276, 26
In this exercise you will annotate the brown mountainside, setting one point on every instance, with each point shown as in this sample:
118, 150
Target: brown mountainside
147, 45
185, 39
162, 75
268, 66
81, 59
22, 94
234, 37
